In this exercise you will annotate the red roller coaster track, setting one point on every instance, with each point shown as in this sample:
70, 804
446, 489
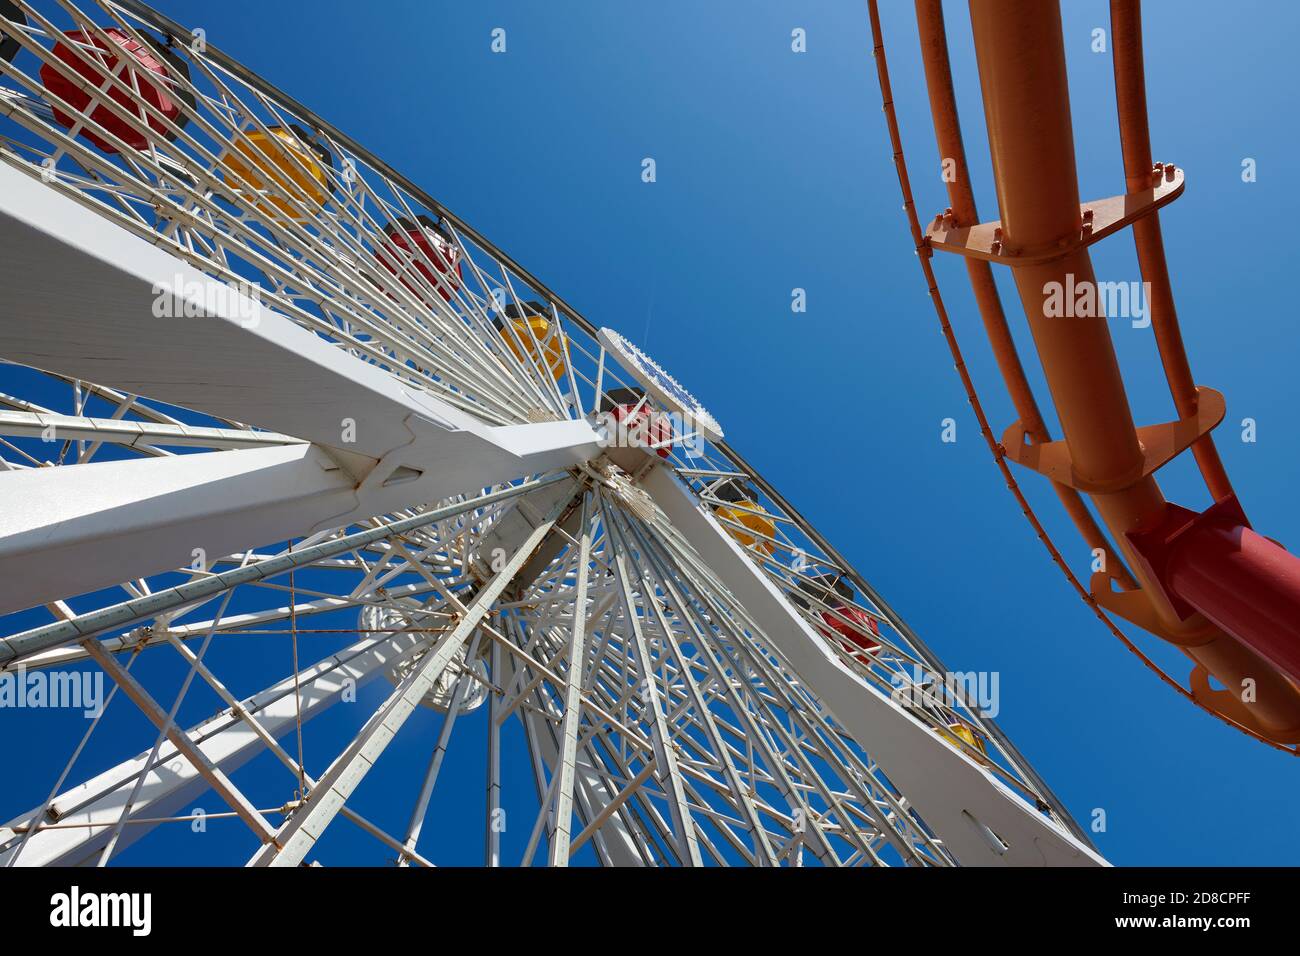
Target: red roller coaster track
1226, 596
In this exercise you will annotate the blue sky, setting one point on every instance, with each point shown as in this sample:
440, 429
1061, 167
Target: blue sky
774, 172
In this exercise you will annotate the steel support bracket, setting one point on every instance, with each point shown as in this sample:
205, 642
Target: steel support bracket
1138, 607
1097, 220
1160, 444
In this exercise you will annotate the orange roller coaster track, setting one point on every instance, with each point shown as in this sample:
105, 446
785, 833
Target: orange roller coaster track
1207, 583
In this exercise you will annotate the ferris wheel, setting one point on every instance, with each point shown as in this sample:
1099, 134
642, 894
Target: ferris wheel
275, 415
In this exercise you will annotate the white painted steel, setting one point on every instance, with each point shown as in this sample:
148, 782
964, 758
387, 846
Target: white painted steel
948, 788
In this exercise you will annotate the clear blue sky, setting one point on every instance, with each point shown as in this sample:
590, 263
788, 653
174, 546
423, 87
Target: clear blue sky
774, 172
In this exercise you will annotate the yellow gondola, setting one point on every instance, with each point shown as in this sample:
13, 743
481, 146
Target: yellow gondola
532, 336
294, 165
742, 509
958, 734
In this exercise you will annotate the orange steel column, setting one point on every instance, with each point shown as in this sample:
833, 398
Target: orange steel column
961, 196
1027, 108
1135, 143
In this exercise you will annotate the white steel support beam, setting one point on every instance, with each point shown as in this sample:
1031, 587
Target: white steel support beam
763, 852
614, 836
493, 823
226, 741
20, 646
665, 757
416, 823
75, 529
157, 633
723, 672
960, 800
280, 753
118, 431
559, 845
181, 741
299, 833
79, 300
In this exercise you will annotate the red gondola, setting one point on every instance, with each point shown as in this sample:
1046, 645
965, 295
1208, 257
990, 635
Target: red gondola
423, 239
644, 426
154, 73
833, 591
